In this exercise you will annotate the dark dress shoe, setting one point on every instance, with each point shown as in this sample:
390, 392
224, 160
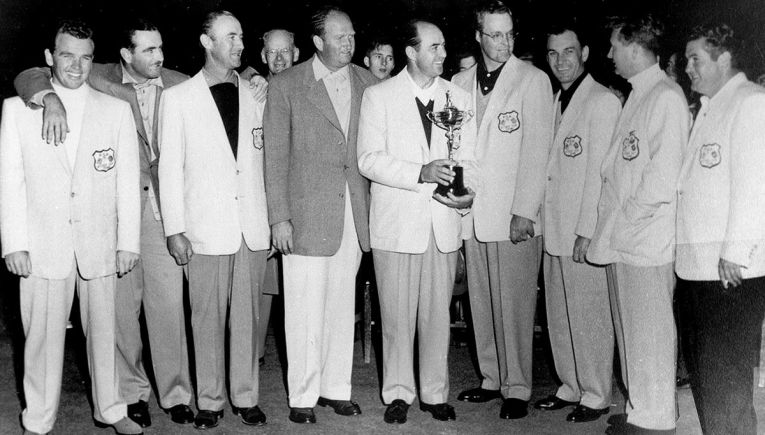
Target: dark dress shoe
302, 415
252, 415
617, 419
261, 361
682, 381
396, 412
139, 413
207, 419
479, 395
439, 411
513, 409
552, 402
583, 414
342, 407
181, 414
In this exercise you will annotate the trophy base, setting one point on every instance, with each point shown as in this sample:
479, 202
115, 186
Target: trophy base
457, 186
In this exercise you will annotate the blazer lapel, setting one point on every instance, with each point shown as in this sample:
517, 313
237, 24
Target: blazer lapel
318, 96
207, 111
574, 109
409, 111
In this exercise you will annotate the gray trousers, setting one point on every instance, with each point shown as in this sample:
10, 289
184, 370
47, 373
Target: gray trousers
502, 282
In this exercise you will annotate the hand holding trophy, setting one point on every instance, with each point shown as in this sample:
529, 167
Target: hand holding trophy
451, 119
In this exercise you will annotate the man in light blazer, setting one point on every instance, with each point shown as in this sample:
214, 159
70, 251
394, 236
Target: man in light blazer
635, 232
69, 217
576, 294
415, 234
318, 207
721, 232
513, 105
157, 281
214, 214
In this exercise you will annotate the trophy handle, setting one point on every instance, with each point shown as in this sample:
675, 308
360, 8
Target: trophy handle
430, 117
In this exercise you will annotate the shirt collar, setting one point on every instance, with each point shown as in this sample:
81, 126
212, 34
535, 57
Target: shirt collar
129, 79
423, 94
728, 88
567, 94
645, 79
232, 78
320, 71
67, 93
487, 79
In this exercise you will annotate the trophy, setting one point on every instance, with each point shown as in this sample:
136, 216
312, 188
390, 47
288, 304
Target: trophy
451, 119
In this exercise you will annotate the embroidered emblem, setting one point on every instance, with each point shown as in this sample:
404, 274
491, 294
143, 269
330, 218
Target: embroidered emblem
572, 146
103, 160
630, 148
257, 138
709, 157
509, 121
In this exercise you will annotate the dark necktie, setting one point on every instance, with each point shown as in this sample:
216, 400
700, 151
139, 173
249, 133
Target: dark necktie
426, 124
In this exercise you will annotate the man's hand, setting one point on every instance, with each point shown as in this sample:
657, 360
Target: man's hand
18, 263
521, 229
54, 126
259, 87
458, 202
730, 273
126, 261
180, 248
580, 249
281, 237
271, 252
438, 171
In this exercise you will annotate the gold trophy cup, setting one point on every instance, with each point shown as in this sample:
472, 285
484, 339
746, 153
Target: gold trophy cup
451, 119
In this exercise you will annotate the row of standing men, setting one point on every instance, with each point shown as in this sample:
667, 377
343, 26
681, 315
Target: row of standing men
574, 157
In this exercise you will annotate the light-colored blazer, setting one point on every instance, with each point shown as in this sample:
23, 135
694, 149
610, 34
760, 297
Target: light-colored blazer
721, 203
309, 161
514, 140
56, 212
638, 200
582, 137
205, 192
107, 78
392, 149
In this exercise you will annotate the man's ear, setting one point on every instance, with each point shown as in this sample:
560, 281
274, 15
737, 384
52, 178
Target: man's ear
411, 53
206, 41
318, 43
48, 57
366, 61
263, 55
295, 54
585, 53
724, 60
126, 55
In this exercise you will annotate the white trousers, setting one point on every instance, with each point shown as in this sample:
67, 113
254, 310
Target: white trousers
45, 306
319, 305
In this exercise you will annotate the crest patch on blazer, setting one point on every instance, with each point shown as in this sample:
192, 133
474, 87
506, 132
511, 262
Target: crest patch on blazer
710, 156
572, 146
509, 121
630, 146
257, 138
103, 160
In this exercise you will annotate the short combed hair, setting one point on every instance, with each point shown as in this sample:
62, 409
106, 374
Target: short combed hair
266, 36
319, 19
132, 26
410, 36
561, 25
489, 7
719, 38
378, 41
210, 18
73, 27
644, 30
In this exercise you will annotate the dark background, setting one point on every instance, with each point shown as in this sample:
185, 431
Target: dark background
25, 26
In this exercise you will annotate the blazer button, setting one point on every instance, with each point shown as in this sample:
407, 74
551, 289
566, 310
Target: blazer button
342, 195
145, 187
549, 178
73, 195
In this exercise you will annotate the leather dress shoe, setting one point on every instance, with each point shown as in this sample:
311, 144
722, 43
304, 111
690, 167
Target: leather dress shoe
439, 411
552, 403
126, 426
181, 414
302, 415
478, 395
682, 381
252, 416
139, 413
513, 409
583, 414
207, 419
396, 412
341, 407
